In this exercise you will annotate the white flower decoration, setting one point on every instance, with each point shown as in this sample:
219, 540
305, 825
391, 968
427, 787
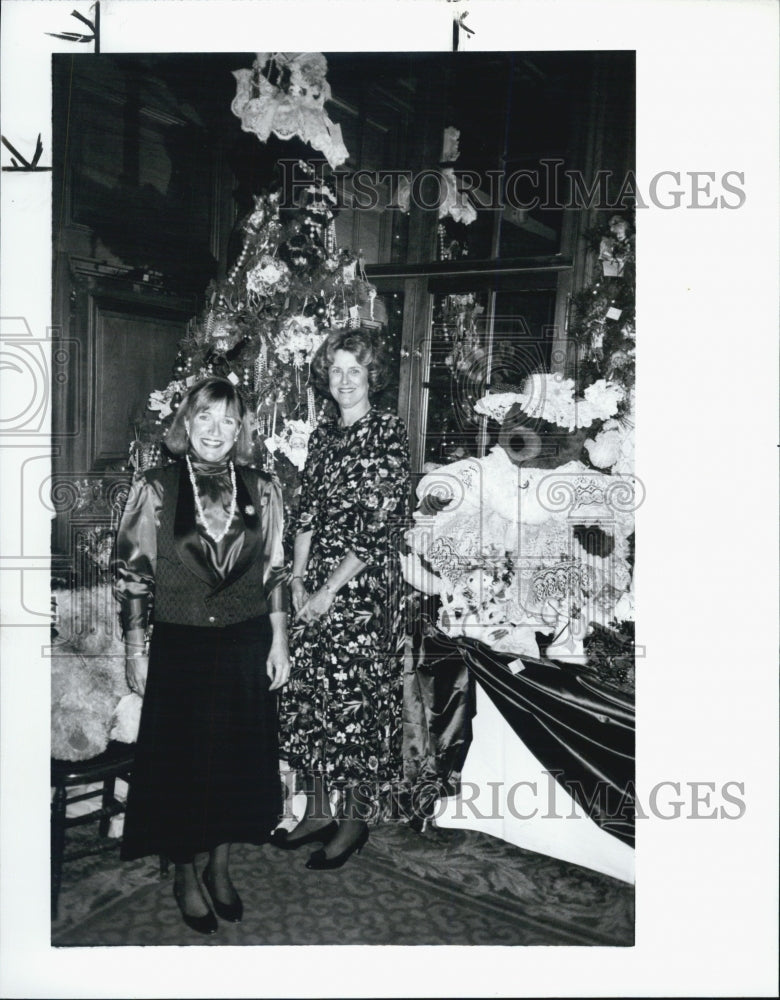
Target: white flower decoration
269, 274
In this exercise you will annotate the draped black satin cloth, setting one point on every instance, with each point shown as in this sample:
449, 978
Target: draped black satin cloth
438, 709
581, 730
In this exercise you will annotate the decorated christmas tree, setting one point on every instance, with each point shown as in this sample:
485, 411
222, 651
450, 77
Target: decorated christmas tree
603, 322
261, 326
604, 330
290, 284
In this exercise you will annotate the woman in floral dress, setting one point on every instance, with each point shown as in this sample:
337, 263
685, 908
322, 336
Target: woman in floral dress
341, 713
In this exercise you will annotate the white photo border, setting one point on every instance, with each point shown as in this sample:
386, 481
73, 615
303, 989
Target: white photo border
707, 532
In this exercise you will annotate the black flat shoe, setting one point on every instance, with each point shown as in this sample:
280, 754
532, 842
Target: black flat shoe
281, 839
207, 924
319, 861
232, 912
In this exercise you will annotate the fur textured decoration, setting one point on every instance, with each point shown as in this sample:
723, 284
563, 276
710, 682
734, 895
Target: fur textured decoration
88, 676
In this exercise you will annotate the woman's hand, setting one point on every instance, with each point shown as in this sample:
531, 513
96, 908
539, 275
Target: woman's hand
136, 668
317, 606
277, 665
299, 594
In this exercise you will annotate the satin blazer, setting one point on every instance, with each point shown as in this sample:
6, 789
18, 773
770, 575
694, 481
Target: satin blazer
167, 571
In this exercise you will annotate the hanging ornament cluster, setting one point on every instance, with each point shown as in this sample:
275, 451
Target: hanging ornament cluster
285, 93
456, 207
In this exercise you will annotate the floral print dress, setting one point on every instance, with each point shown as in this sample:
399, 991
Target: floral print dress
341, 710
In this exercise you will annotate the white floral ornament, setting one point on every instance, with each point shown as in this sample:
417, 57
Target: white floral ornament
298, 341
613, 447
604, 449
601, 400
549, 397
268, 275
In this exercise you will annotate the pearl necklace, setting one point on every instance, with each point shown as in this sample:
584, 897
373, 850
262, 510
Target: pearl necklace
199, 506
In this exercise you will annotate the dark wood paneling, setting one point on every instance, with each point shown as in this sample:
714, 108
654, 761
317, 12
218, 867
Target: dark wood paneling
132, 352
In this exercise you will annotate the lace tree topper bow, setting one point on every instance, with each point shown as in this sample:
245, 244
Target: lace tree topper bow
285, 93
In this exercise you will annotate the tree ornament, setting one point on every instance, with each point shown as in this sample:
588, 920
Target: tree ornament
285, 93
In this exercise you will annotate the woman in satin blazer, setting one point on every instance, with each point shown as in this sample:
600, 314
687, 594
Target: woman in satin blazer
199, 565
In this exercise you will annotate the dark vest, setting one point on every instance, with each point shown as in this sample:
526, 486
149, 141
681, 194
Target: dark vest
186, 591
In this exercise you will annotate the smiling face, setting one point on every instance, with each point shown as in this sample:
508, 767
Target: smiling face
213, 431
348, 384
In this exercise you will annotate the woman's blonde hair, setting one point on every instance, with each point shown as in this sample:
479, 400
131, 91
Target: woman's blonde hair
201, 396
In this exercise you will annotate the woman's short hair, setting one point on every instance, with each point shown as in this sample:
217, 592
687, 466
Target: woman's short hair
366, 347
201, 396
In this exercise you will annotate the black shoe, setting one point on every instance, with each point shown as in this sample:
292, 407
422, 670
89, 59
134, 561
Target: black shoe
232, 912
281, 839
207, 924
319, 861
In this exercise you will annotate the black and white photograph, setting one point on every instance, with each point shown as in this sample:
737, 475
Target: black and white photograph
369, 424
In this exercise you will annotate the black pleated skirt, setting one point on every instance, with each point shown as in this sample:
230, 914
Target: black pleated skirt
206, 768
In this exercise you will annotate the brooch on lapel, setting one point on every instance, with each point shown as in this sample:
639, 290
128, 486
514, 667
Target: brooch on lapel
249, 510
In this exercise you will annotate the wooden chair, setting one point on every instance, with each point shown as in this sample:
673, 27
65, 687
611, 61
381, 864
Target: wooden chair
115, 762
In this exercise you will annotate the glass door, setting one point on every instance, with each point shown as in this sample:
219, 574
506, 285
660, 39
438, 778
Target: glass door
479, 340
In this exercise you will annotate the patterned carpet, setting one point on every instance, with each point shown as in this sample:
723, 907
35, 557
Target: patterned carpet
448, 887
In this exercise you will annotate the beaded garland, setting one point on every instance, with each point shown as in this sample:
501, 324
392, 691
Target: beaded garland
199, 506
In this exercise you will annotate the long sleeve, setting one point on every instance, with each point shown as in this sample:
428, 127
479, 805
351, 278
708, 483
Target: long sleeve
135, 556
308, 503
382, 491
274, 573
